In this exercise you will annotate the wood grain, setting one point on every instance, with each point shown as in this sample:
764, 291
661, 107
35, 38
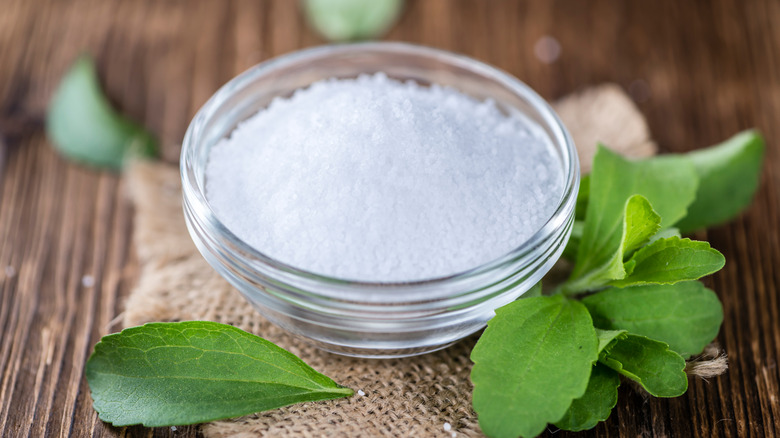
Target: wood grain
700, 71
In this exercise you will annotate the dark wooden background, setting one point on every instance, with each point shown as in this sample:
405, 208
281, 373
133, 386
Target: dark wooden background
699, 70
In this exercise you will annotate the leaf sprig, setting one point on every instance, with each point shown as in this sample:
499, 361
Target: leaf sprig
635, 276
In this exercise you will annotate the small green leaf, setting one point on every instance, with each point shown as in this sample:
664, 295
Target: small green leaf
668, 182
84, 127
532, 361
659, 370
344, 20
164, 374
597, 403
639, 223
671, 260
607, 337
729, 174
686, 315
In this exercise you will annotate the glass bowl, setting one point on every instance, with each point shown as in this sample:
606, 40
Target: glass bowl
365, 319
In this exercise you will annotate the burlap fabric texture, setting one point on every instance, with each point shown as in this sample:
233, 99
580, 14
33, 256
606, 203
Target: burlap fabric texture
412, 397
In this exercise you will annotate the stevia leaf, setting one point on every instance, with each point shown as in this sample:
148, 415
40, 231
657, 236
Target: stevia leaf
344, 20
597, 403
729, 174
668, 182
607, 337
641, 223
686, 315
671, 260
659, 370
164, 374
638, 224
533, 359
84, 127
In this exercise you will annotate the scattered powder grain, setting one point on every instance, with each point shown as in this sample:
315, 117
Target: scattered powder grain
377, 180
87, 281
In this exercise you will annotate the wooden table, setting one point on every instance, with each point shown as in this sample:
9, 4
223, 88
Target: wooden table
699, 72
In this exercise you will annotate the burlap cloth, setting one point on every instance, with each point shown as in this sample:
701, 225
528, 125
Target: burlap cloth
411, 397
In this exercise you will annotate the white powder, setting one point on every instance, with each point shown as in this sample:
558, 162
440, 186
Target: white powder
87, 281
377, 180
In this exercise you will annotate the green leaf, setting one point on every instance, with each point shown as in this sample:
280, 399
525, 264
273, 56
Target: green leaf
659, 370
343, 20
84, 127
671, 260
639, 223
686, 315
164, 374
597, 403
729, 174
607, 337
668, 182
533, 359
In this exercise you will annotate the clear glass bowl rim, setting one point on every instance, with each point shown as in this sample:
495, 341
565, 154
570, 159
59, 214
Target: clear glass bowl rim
194, 191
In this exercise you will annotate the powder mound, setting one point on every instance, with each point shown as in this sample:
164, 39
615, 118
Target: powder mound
377, 180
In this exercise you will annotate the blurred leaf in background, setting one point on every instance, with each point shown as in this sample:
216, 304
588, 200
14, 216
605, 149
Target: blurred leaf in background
350, 20
84, 127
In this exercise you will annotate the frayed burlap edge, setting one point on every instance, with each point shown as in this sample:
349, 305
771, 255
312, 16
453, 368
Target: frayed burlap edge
399, 397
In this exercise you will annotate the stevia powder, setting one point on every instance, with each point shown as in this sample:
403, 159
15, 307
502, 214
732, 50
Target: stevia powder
373, 179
